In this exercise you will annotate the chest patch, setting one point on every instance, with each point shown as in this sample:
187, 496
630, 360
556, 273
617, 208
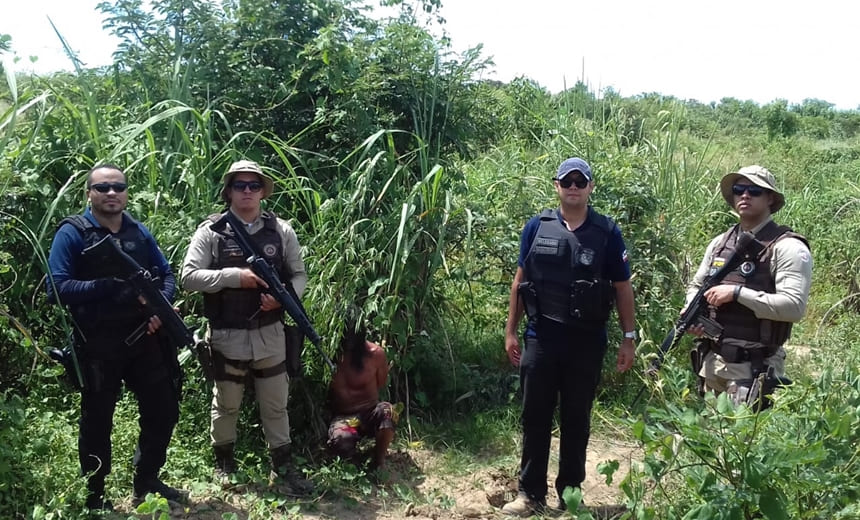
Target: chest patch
232, 250
586, 256
270, 250
716, 264
546, 246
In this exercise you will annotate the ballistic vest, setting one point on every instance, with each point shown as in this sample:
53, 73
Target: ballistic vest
566, 270
240, 308
123, 315
739, 321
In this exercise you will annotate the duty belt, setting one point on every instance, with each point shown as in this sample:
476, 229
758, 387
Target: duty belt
734, 354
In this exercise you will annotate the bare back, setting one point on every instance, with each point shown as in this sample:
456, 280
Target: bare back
353, 390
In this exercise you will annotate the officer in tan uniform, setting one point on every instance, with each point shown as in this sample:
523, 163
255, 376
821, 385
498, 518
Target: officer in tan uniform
246, 329
758, 302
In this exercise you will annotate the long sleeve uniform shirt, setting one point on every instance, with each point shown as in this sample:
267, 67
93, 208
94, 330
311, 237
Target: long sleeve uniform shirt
791, 268
198, 275
65, 254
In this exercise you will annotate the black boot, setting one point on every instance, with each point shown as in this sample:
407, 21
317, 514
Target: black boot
225, 463
96, 495
144, 484
283, 471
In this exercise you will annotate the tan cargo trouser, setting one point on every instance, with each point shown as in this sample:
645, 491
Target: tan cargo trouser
271, 392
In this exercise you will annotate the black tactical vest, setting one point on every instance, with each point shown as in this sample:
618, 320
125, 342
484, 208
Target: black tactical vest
739, 321
566, 270
238, 308
124, 315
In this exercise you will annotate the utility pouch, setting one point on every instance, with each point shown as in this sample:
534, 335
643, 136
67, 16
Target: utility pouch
527, 292
295, 344
591, 300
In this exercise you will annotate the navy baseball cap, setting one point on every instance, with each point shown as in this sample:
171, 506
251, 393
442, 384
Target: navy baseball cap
574, 164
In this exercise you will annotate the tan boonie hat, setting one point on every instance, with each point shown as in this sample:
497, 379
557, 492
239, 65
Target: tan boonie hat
758, 175
246, 167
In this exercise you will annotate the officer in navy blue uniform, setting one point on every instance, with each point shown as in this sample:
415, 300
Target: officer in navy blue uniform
572, 268
105, 314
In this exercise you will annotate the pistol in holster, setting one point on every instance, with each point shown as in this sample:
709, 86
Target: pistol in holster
764, 384
204, 357
527, 292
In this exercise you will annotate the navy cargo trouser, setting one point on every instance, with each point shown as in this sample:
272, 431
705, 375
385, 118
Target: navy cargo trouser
563, 364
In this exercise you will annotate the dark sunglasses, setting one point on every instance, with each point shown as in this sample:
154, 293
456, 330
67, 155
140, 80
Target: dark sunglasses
752, 189
254, 186
570, 180
104, 187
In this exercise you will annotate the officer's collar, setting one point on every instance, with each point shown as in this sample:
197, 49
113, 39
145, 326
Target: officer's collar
759, 227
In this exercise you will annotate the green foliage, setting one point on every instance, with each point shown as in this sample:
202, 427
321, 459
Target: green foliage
408, 181
717, 461
38, 473
155, 506
779, 121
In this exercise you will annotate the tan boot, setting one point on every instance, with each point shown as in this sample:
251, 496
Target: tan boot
524, 507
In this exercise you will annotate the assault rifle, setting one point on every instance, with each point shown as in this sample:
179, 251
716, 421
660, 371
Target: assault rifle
145, 287
695, 312
262, 268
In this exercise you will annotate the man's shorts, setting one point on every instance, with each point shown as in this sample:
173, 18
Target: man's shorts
346, 430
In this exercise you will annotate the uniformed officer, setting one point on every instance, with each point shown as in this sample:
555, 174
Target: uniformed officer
759, 301
246, 328
571, 269
105, 314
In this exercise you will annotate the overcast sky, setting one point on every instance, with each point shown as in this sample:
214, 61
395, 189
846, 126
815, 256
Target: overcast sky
747, 49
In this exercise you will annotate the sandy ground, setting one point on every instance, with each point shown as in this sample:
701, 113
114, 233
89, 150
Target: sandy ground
414, 489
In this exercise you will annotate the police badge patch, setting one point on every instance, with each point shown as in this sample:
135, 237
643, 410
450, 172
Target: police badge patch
270, 250
586, 256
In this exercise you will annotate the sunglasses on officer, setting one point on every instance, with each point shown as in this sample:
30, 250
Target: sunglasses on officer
240, 186
105, 187
752, 189
573, 180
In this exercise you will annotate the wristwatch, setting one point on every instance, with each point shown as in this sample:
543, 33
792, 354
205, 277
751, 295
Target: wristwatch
630, 335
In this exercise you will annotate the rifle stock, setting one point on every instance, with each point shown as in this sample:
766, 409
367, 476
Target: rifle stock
288, 299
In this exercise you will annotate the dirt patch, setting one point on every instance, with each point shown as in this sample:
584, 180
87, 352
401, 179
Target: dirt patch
414, 486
